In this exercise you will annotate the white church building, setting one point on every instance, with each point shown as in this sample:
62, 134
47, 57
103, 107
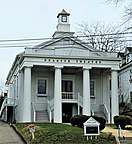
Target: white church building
60, 78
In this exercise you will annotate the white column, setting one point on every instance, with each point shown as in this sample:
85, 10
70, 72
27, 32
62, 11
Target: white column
86, 92
27, 95
78, 109
21, 96
114, 95
57, 96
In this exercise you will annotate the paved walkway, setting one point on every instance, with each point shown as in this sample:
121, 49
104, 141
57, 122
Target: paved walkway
8, 135
126, 133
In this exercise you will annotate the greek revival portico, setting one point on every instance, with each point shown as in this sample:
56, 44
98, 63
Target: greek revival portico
58, 100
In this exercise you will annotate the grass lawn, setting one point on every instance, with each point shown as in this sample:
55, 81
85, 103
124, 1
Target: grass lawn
51, 133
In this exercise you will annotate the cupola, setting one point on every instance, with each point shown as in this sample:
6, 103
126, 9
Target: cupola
63, 25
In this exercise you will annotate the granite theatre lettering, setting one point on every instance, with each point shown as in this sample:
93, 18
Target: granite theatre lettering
72, 61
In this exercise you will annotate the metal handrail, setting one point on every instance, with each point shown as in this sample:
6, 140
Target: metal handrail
120, 132
6, 102
106, 111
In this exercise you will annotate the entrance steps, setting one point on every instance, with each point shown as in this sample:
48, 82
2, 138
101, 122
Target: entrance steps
42, 116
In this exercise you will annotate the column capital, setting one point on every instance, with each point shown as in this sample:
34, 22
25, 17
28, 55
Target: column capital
115, 69
28, 66
87, 68
58, 67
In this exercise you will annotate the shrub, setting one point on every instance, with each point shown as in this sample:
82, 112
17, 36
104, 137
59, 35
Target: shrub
129, 114
78, 120
101, 120
122, 120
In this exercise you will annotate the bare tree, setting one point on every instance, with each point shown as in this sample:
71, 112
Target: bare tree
128, 9
101, 37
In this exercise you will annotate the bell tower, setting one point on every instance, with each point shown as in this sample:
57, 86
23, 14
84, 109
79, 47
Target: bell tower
63, 26
63, 22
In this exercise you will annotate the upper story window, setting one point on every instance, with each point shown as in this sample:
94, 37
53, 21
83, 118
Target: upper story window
67, 86
42, 86
92, 88
64, 18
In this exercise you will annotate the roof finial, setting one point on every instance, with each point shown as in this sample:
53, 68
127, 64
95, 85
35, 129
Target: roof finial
63, 12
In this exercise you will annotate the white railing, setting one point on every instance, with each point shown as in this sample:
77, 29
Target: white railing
6, 102
120, 132
106, 112
80, 100
34, 112
50, 108
67, 95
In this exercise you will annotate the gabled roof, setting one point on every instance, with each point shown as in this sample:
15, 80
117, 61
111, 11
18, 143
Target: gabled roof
64, 37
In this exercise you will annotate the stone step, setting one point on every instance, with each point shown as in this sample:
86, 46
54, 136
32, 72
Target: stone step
42, 116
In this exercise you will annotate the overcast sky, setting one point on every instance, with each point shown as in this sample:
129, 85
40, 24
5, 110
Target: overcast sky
21, 19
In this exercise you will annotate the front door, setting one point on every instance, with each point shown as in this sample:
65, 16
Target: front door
66, 112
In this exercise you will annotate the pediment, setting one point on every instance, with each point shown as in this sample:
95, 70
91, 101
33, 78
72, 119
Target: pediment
65, 42
65, 46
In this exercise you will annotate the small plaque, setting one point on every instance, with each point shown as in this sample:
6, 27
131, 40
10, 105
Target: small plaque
91, 130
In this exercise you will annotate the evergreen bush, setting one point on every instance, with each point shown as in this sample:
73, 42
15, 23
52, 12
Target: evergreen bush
122, 120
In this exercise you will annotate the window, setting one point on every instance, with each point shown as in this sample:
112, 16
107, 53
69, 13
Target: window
130, 76
64, 18
41, 87
110, 84
130, 97
67, 86
92, 88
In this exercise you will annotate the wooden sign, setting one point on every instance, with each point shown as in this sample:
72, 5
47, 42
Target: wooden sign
91, 127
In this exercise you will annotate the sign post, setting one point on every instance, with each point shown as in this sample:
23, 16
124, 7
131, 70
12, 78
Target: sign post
31, 128
91, 128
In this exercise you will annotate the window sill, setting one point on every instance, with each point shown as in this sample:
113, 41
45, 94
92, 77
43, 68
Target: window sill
92, 97
41, 95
